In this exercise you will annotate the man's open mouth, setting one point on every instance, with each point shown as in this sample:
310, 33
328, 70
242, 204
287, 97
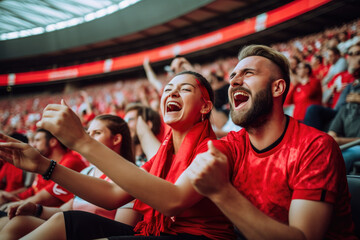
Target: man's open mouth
240, 97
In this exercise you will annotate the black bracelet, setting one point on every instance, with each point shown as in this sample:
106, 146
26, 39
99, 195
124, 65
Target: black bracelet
49, 171
39, 209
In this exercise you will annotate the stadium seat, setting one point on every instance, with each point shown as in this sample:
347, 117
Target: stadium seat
354, 188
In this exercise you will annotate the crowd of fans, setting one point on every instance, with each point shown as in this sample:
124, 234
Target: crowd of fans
322, 79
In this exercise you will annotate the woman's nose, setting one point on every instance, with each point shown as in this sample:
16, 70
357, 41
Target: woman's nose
174, 92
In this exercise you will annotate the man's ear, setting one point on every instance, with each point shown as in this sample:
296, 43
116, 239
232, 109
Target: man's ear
117, 139
53, 142
206, 107
278, 87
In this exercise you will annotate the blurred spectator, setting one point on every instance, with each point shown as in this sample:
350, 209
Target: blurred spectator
13, 179
293, 61
345, 127
335, 87
86, 113
305, 91
180, 64
320, 116
318, 68
337, 64
43, 191
151, 118
220, 113
151, 76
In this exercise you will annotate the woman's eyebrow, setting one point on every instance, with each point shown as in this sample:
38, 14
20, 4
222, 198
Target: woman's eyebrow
182, 84
187, 84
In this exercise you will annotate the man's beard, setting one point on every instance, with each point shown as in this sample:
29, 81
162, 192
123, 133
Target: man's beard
258, 114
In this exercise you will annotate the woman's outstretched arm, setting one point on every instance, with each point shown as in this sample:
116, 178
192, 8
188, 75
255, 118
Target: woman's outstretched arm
168, 198
97, 191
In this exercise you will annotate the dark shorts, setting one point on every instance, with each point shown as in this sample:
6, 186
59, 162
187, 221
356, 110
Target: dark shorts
3, 214
84, 225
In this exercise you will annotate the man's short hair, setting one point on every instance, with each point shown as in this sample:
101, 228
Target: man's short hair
274, 56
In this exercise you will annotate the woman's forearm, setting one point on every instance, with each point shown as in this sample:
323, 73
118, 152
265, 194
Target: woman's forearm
162, 195
97, 191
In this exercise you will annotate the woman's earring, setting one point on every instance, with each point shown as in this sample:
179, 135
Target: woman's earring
202, 117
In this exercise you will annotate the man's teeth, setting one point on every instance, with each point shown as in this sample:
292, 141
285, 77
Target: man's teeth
241, 93
240, 97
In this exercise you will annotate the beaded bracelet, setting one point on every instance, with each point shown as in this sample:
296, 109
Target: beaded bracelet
49, 171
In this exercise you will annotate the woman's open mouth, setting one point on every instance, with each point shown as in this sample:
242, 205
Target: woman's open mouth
173, 107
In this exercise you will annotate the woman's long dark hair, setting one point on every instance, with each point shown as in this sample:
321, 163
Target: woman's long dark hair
117, 125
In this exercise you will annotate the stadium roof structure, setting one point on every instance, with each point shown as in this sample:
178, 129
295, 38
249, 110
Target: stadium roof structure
146, 24
151, 24
21, 18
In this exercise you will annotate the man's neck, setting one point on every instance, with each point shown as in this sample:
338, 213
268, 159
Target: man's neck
268, 133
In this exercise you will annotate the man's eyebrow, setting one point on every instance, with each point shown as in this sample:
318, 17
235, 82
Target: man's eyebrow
246, 69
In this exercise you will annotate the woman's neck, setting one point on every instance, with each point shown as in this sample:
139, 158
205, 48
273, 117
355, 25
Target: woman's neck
178, 137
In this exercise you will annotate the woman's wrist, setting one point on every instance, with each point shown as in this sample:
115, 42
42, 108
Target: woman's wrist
81, 145
49, 170
43, 165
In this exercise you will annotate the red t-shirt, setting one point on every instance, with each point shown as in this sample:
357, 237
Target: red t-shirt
11, 177
306, 164
302, 96
344, 79
70, 160
320, 72
203, 218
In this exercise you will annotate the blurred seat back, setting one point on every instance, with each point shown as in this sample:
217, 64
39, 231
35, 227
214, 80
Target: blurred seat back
354, 188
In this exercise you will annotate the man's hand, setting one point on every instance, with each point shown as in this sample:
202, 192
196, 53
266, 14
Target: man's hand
209, 172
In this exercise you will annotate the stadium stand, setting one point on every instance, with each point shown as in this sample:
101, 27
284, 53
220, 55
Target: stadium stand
109, 91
